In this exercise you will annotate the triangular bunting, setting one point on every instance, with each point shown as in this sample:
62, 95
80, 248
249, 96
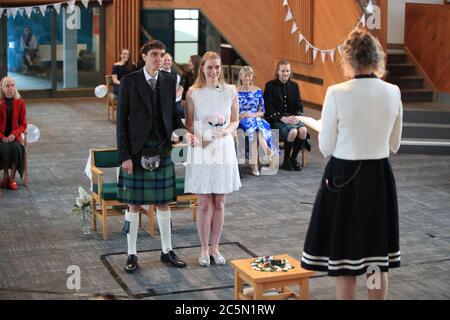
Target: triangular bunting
307, 46
324, 54
315, 51
28, 11
285, 3
100, 2
43, 9
363, 20
370, 8
57, 7
340, 50
71, 7
13, 12
289, 16
21, 10
332, 53
294, 28
85, 3
300, 38
2, 10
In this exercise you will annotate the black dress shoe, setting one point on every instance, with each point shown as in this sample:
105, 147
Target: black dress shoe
296, 165
173, 259
132, 263
287, 165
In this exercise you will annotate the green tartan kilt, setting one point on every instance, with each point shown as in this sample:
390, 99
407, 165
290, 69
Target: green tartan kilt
284, 129
148, 187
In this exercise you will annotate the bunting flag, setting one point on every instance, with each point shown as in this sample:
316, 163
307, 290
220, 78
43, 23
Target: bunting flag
307, 46
289, 16
363, 20
332, 53
28, 11
12, 12
43, 9
315, 51
370, 9
294, 28
57, 7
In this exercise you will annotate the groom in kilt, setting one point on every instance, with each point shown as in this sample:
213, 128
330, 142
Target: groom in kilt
146, 118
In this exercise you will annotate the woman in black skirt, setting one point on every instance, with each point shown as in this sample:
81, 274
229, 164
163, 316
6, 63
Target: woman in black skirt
354, 225
12, 124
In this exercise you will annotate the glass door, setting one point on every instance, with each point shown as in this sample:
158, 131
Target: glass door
3, 47
29, 55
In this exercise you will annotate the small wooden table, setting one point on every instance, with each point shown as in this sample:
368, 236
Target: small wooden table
263, 281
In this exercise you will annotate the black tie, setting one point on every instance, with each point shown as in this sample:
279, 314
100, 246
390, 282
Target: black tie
152, 83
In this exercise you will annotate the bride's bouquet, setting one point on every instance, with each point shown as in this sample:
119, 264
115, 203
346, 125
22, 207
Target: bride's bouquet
216, 120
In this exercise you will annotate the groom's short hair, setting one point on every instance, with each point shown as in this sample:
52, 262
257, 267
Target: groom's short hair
153, 44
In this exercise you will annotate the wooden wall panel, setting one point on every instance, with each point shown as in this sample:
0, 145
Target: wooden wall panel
427, 36
286, 44
127, 26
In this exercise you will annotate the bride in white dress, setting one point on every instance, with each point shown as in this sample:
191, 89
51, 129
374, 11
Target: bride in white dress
212, 170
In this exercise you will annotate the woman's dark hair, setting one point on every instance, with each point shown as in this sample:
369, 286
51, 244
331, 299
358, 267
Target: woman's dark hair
153, 44
129, 64
196, 60
361, 51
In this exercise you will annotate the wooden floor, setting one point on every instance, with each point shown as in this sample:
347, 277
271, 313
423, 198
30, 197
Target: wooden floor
40, 238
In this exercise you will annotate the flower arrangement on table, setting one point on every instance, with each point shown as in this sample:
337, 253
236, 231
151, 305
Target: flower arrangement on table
271, 264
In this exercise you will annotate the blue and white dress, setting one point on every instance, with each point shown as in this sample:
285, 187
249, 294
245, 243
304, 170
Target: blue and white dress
252, 102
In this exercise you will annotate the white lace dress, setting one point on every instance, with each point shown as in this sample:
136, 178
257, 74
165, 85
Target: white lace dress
212, 169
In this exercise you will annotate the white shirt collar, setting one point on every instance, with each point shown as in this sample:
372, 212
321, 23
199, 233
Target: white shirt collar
148, 77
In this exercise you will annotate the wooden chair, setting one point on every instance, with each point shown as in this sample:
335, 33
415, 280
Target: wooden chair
235, 74
304, 154
112, 100
226, 73
25, 170
104, 195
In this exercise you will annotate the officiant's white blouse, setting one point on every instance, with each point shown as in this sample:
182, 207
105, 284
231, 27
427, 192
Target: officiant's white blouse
361, 119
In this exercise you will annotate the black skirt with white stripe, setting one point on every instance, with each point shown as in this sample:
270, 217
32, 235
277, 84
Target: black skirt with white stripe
354, 223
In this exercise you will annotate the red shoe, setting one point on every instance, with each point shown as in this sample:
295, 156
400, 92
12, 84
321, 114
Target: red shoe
5, 183
13, 185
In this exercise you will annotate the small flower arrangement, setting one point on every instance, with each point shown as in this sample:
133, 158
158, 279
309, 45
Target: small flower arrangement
271, 264
216, 120
82, 202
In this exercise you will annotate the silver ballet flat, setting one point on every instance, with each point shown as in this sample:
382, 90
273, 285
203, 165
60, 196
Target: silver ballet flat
218, 259
204, 261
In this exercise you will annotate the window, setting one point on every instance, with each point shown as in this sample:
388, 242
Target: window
186, 34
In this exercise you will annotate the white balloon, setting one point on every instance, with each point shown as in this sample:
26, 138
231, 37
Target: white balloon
33, 133
101, 91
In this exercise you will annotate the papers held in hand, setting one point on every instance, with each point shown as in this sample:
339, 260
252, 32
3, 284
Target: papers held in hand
314, 124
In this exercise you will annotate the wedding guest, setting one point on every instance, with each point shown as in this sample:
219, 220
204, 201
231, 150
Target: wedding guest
121, 69
354, 225
212, 170
29, 45
283, 105
12, 124
167, 67
251, 110
191, 74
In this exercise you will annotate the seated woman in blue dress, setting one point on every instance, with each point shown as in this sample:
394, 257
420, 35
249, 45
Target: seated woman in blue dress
121, 69
251, 110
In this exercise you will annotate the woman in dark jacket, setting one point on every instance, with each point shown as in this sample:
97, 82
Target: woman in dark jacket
12, 124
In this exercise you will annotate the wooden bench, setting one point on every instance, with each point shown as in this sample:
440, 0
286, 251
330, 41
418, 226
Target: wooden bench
266, 281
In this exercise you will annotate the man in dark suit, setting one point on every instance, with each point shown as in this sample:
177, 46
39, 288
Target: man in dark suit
283, 105
145, 121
